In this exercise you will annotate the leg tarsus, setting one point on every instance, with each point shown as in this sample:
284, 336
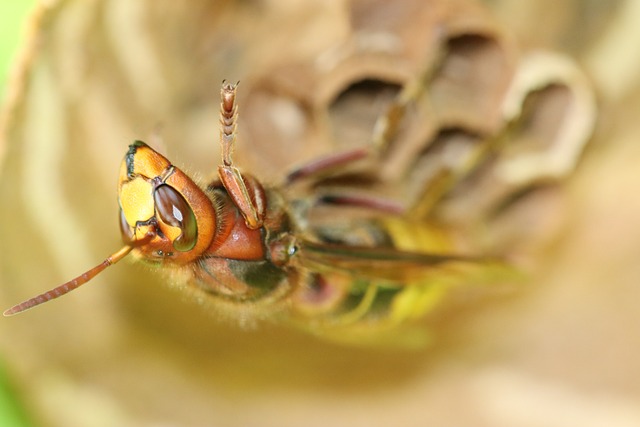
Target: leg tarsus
245, 191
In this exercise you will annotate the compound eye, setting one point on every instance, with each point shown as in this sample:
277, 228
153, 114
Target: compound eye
174, 210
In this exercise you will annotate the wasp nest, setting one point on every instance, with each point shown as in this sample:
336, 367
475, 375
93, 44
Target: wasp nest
465, 130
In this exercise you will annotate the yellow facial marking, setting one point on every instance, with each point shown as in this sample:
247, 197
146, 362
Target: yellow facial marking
136, 200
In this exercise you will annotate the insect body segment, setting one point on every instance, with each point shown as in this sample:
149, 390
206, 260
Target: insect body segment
247, 192
158, 199
201, 232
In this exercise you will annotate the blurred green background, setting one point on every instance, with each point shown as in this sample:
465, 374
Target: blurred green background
12, 17
13, 14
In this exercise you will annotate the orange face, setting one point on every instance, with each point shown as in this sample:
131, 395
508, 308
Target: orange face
160, 203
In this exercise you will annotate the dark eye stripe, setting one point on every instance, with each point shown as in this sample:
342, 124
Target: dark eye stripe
130, 156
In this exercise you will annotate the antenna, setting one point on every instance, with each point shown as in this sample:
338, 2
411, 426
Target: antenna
70, 285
